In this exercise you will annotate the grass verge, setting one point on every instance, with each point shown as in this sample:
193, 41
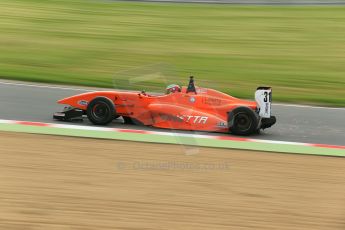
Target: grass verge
298, 50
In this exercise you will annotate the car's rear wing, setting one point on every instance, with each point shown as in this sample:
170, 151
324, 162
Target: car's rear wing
263, 98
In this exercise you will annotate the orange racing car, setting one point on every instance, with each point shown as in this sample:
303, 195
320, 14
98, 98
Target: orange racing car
183, 108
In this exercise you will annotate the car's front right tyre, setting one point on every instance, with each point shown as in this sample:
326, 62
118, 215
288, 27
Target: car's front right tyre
101, 111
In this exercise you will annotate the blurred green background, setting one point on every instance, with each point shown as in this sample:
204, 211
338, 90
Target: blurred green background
298, 50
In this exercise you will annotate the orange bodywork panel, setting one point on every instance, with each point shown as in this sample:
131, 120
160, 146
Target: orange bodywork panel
203, 110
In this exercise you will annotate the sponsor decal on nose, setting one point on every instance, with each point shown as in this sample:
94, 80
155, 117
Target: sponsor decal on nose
82, 102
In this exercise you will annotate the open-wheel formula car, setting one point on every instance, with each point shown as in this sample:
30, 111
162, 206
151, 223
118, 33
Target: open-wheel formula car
182, 108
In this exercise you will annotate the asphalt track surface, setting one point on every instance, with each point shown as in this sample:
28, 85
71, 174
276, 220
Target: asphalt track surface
37, 102
255, 2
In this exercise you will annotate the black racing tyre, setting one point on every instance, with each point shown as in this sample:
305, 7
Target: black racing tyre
243, 121
101, 111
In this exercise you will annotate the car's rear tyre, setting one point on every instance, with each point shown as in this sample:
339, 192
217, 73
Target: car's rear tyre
101, 111
243, 121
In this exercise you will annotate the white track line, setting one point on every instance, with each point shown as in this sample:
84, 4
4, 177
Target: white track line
43, 86
279, 142
90, 90
307, 106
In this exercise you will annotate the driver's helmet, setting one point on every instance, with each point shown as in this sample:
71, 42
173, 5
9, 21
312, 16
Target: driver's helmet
173, 88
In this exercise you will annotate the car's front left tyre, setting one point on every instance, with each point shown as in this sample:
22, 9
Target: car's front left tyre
101, 111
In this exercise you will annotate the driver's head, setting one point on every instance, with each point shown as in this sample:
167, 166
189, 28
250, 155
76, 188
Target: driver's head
173, 88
